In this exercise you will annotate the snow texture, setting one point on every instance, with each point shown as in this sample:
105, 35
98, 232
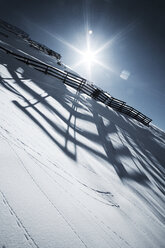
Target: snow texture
73, 172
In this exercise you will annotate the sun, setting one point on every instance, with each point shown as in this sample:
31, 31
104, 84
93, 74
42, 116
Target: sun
89, 57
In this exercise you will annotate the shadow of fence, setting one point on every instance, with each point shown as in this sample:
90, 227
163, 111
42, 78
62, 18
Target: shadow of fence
138, 144
82, 85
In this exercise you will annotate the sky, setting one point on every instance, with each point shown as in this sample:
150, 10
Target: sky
127, 37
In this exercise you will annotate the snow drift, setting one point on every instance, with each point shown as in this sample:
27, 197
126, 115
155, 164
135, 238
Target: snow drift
73, 173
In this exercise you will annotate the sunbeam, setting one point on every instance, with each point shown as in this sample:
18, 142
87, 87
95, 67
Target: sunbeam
116, 37
77, 64
104, 66
62, 40
57, 37
88, 57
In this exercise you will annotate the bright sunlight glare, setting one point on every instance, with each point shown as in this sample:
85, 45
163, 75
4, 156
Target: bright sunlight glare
88, 57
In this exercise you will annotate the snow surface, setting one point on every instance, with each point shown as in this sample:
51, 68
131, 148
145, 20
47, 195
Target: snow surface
73, 172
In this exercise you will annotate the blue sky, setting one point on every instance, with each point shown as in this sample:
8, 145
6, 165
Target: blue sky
131, 63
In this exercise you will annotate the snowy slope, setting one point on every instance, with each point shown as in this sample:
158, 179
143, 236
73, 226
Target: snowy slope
23, 47
74, 173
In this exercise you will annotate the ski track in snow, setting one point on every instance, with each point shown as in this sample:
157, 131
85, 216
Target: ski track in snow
95, 218
28, 237
38, 186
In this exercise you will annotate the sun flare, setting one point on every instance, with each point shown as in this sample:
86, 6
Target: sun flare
89, 57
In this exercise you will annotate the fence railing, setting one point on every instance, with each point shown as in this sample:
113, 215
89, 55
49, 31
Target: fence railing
82, 85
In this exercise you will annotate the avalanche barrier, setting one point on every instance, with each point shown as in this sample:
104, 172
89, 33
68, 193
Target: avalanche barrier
82, 85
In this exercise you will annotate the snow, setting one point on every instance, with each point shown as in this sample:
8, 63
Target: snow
73, 173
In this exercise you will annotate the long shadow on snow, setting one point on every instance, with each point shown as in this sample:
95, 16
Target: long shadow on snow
63, 100
150, 172
112, 154
138, 140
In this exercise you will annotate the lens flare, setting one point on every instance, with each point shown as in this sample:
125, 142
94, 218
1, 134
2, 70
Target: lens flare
88, 57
